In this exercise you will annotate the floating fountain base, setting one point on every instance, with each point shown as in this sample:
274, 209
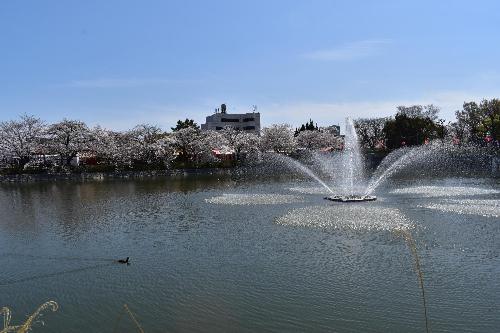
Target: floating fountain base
351, 198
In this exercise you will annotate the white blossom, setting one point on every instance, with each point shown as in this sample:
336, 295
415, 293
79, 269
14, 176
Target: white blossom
207, 142
21, 139
142, 143
247, 144
317, 140
183, 142
108, 147
67, 138
278, 138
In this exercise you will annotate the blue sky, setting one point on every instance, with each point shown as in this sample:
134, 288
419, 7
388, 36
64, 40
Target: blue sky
121, 63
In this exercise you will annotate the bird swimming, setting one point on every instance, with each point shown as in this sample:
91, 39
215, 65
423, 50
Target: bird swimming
122, 261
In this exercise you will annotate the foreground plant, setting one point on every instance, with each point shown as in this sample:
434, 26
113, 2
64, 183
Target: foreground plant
410, 241
23, 328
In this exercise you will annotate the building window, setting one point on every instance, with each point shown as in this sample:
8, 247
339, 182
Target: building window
248, 128
248, 119
228, 120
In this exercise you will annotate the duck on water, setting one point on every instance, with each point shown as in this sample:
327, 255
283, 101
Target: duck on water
124, 261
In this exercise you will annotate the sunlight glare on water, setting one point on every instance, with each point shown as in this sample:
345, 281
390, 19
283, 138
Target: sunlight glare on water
486, 208
253, 199
353, 217
310, 190
448, 191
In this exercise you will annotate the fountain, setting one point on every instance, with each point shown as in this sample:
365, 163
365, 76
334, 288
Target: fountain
342, 175
350, 164
346, 170
294, 164
352, 168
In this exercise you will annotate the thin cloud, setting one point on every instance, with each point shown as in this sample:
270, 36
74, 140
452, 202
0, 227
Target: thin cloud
125, 82
350, 51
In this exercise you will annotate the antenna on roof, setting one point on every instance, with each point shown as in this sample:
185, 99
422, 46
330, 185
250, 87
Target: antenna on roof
254, 108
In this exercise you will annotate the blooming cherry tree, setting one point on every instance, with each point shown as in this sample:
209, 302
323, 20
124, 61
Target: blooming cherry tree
184, 141
242, 142
21, 138
67, 138
143, 143
278, 138
208, 142
316, 139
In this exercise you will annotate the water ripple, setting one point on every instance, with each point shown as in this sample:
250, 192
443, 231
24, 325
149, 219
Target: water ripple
310, 190
254, 199
444, 191
352, 217
486, 208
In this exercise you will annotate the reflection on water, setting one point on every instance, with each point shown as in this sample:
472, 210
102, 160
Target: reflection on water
218, 254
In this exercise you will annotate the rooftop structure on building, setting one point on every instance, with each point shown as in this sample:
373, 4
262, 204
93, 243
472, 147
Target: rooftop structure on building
248, 122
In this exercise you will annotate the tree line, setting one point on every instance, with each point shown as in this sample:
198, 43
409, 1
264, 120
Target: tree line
30, 144
475, 123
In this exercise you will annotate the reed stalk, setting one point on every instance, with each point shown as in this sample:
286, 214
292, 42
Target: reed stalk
24, 328
407, 236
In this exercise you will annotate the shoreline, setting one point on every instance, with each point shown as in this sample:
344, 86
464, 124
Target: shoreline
97, 176
491, 168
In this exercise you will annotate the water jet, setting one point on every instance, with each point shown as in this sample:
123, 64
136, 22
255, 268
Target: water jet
343, 174
349, 166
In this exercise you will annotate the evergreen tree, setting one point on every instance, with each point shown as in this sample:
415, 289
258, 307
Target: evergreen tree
185, 124
308, 126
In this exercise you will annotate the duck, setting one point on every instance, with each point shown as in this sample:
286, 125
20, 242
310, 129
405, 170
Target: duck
122, 261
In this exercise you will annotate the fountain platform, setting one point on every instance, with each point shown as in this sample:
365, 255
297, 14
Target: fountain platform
351, 198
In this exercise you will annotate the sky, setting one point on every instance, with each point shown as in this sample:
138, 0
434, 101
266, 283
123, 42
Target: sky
122, 63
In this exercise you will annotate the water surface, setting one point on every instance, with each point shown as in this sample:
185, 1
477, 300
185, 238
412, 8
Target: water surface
224, 254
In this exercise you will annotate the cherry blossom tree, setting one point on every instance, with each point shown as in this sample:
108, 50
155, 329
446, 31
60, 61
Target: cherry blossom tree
164, 150
4, 153
370, 131
242, 142
310, 139
67, 138
197, 147
230, 134
279, 138
207, 142
20, 139
143, 143
108, 147
317, 139
183, 142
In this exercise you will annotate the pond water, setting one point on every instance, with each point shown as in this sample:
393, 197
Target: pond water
226, 254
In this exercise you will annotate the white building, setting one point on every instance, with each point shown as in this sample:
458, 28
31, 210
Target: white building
248, 122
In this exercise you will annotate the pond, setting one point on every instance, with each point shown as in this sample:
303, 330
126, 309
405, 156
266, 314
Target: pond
224, 253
